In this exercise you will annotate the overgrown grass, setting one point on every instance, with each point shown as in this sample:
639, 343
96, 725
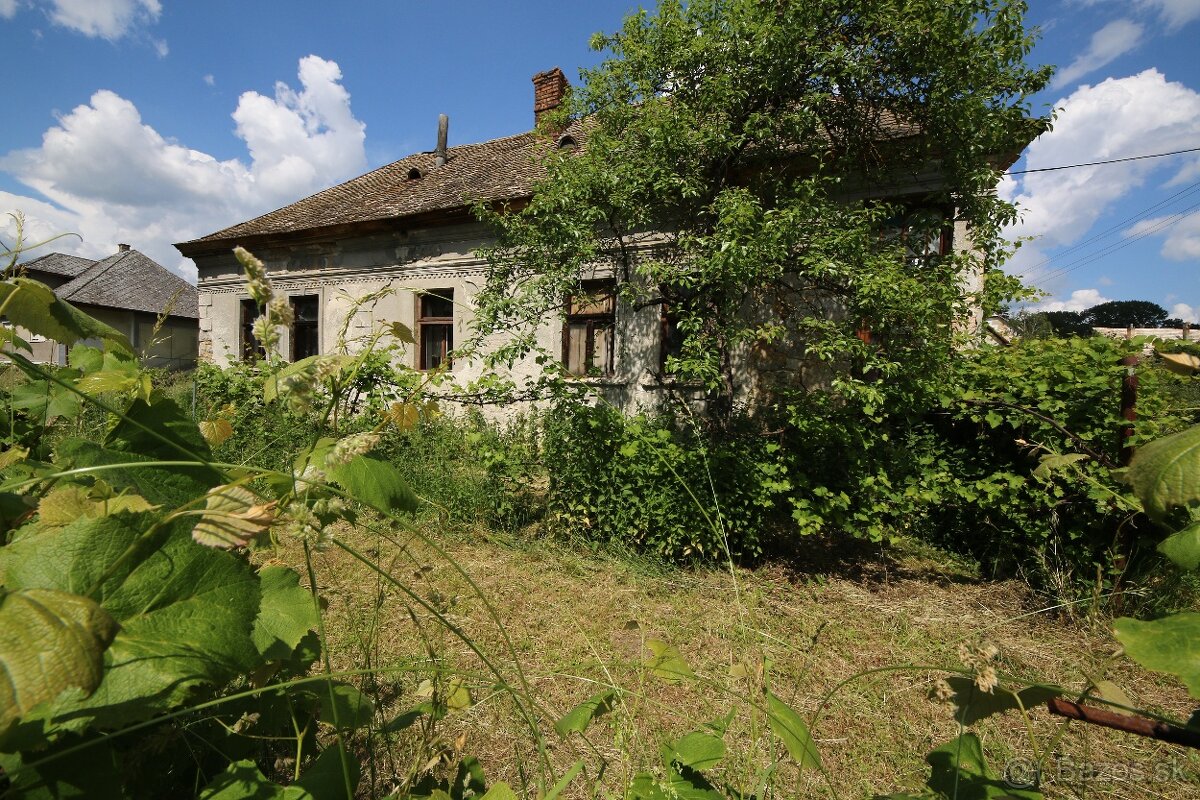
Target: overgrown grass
581, 622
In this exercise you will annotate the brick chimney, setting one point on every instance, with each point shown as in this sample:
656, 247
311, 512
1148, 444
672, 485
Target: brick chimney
549, 88
122, 248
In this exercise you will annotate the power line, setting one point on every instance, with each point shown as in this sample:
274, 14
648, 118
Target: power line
1190, 189
1088, 259
1101, 163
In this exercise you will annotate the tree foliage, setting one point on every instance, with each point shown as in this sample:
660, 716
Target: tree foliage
744, 156
1122, 313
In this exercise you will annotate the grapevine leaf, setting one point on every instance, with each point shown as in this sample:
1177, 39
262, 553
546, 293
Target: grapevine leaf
666, 663
375, 483
1166, 473
33, 306
66, 504
791, 730
1183, 547
1165, 645
186, 612
50, 640
285, 616
579, 717
959, 770
216, 431
91, 772
233, 516
325, 779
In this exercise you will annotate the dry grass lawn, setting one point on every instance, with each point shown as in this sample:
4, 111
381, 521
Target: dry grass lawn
577, 623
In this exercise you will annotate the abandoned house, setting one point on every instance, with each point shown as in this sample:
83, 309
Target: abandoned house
409, 225
130, 292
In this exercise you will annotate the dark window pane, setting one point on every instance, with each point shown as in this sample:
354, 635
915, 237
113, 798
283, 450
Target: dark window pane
436, 341
250, 348
439, 303
305, 329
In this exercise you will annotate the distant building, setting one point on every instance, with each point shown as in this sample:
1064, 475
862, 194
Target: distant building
129, 292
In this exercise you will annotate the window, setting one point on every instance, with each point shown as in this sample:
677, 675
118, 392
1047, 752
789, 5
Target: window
588, 329
925, 233
251, 350
305, 337
435, 327
670, 337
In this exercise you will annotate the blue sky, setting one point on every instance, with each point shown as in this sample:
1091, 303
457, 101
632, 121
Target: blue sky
156, 121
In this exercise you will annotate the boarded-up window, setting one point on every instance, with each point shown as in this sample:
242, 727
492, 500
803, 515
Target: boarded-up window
589, 327
305, 327
435, 324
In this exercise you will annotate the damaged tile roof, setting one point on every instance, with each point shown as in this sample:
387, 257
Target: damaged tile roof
500, 169
131, 281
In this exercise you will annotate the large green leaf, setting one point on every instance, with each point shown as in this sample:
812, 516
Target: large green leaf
186, 611
167, 486
1165, 473
34, 306
960, 772
579, 717
1183, 547
50, 640
791, 730
342, 706
376, 483
92, 772
1170, 644
286, 614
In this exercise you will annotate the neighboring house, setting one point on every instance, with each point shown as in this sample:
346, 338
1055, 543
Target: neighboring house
410, 226
129, 292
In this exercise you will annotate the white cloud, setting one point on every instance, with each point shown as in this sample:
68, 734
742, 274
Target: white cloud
1109, 43
1080, 300
109, 19
8, 8
1184, 312
1181, 232
1118, 117
112, 178
160, 47
210, 80
1175, 13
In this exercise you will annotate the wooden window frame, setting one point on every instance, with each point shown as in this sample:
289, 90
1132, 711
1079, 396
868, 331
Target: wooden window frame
431, 322
592, 321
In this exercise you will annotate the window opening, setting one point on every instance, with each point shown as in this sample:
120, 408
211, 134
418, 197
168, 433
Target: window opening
305, 326
435, 321
588, 330
251, 350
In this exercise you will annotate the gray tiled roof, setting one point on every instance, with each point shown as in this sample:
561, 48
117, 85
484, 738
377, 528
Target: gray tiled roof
131, 281
501, 169
62, 264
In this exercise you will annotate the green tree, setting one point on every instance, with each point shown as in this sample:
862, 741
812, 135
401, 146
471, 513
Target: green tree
1122, 313
747, 154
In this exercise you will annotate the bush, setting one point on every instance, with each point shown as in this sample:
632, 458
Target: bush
661, 485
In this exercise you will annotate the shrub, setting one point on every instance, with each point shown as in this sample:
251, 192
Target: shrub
659, 484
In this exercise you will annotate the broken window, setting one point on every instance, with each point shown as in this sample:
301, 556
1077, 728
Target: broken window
435, 324
924, 232
305, 326
588, 329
